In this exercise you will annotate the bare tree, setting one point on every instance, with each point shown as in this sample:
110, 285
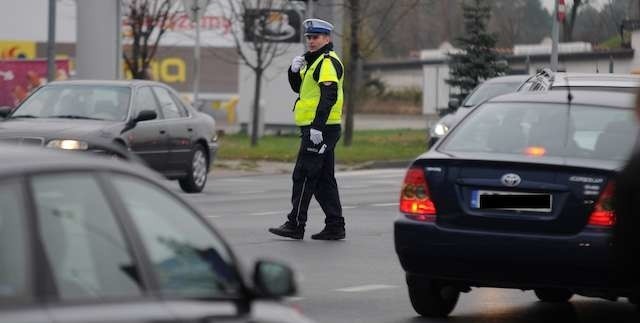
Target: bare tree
146, 21
256, 49
570, 23
383, 16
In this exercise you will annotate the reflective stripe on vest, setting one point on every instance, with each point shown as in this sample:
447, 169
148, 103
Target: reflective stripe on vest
305, 109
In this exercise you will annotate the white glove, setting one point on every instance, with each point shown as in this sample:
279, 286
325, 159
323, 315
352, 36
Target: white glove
296, 63
315, 136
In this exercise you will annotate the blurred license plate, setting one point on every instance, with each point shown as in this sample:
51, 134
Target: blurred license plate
516, 201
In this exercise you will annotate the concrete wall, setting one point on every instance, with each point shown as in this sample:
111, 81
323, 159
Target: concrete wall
435, 91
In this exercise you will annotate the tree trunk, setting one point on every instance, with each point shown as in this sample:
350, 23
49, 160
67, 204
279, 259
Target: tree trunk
256, 108
352, 86
569, 24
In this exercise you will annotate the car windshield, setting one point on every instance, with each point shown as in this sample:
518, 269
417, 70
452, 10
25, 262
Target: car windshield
77, 102
488, 91
543, 129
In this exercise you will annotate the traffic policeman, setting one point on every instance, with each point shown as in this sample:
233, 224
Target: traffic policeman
317, 76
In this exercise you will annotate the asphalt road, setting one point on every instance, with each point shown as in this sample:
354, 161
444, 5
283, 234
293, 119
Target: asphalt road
360, 279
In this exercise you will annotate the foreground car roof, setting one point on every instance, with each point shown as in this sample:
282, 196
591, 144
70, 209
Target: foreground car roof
613, 99
21, 159
596, 79
129, 83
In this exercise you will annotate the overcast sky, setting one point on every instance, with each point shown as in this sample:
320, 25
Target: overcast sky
549, 3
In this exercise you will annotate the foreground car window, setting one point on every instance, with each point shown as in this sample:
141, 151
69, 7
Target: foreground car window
13, 250
82, 240
77, 101
188, 259
542, 129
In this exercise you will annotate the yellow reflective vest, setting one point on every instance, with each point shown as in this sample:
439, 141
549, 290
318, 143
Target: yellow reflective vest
305, 107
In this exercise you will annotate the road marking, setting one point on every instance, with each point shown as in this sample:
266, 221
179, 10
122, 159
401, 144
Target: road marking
386, 204
374, 172
350, 187
293, 299
268, 213
348, 207
252, 192
213, 216
364, 288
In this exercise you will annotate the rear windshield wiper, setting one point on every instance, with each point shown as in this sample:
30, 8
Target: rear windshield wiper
72, 116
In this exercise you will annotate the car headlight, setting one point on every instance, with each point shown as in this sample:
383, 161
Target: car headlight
440, 129
68, 144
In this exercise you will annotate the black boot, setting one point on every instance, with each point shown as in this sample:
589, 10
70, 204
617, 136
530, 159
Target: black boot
289, 230
330, 233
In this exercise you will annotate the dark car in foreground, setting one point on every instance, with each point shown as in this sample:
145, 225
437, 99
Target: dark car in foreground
517, 195
145, 117
487, 90
88, 239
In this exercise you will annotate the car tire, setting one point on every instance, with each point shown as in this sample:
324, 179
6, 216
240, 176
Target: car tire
197, 171
553, 295
431, 298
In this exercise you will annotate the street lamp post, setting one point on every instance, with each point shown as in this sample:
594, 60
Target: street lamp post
51, 42
195, 9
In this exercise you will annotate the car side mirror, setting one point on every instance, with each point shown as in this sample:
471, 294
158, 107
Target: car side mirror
5, 111
454, 104
145, 115
273, 280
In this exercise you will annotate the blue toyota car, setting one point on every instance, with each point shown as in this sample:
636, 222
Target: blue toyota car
518, 195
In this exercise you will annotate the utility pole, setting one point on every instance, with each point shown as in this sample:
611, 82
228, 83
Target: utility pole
51, 42
195, 8
311, 8
559, 12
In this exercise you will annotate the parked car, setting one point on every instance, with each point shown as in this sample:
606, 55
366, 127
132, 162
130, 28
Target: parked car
88, 239
142, 116
517, 195
486, 90
547, 80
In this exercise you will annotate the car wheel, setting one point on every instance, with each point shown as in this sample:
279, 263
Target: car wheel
431, 298
553, 295
196, 172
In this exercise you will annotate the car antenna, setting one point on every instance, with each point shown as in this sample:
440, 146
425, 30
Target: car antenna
569, 99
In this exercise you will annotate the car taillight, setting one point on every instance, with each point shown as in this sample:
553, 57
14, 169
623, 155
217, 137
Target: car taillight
415, 200
603, 214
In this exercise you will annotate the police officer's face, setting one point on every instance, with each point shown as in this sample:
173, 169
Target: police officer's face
315, 42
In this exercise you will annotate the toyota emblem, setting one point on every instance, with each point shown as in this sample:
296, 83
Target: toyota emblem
511, 180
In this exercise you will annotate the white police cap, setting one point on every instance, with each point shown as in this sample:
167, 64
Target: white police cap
317, 26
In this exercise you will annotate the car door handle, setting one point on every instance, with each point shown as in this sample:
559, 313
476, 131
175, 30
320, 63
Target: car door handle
162, 132
189, 129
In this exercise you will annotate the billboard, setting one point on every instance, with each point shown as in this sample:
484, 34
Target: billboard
18, 77
283, 26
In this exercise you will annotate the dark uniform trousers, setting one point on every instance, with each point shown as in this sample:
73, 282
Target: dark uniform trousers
314, 175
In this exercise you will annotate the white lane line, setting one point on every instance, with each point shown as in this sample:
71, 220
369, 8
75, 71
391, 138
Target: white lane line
213, 216
371, 172
252, 192
293, 299
385, 204
267, 213
350, 187
348, 207
364, 288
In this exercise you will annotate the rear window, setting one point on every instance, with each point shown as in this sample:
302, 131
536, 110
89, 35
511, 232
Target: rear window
542, 129
488, 91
